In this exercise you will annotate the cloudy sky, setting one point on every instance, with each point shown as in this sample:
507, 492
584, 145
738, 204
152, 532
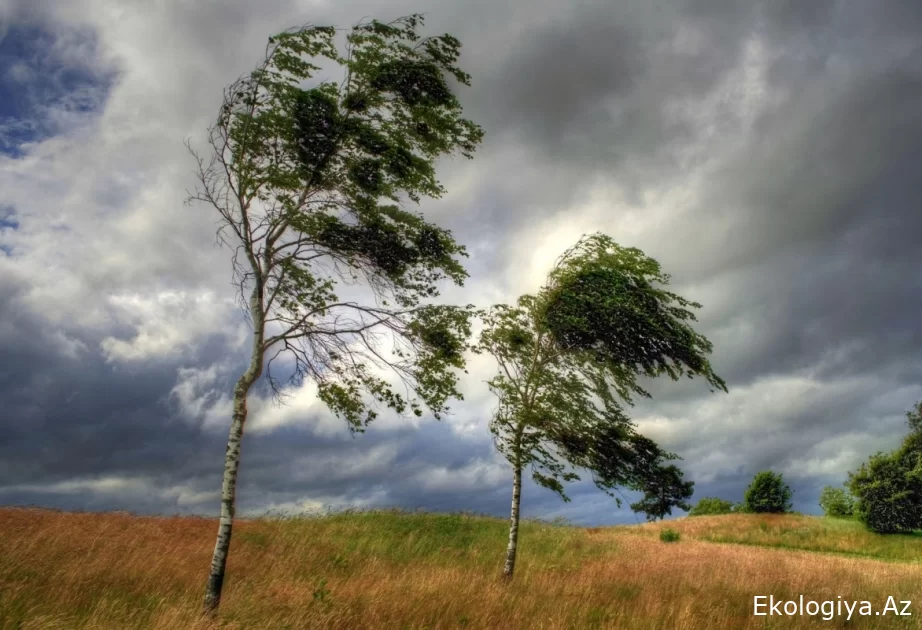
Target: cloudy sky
766, 153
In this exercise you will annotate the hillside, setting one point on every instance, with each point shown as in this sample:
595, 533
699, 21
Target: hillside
397, 570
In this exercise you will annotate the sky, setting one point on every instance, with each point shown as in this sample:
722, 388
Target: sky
765, 153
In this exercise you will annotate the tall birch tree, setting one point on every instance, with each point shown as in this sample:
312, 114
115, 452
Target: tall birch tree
569, 356
308, 182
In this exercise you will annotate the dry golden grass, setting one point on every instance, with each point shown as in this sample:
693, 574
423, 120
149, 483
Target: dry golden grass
392, 570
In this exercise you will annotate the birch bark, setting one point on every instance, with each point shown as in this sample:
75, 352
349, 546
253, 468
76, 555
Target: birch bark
232, 456
513, 522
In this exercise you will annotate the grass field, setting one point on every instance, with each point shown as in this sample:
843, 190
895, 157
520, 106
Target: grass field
395, 570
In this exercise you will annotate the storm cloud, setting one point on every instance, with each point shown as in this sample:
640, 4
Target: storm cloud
765, 152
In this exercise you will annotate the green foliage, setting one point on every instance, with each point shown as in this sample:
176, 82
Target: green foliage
664, 489
836, 502
308, 179
607, 302
768, 493
710, 506
888, 487
914, 418
558, 410
669, 535
888, 497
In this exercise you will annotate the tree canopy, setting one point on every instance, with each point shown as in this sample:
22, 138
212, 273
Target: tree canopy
768, 493
567, 354
309, 181
664, 488
568, 358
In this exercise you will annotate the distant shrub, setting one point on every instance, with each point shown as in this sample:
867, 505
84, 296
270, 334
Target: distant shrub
888, 500
709, 506
768, 494
669, 535
836, 502
888, 487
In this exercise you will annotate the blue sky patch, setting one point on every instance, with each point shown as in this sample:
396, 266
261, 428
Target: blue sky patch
42, 80
8, 223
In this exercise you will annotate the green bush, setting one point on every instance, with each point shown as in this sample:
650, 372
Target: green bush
709, 506
669, 535
768, 494
888, 498
888, 487
836, 502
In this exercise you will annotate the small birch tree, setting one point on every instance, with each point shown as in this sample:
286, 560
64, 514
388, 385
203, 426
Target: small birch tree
307, 182
570, 355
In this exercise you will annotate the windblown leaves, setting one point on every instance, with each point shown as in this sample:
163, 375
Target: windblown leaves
571, 355
603, 300
309, 177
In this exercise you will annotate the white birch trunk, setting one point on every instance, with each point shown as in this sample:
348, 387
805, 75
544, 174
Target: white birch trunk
513, 522
232, 457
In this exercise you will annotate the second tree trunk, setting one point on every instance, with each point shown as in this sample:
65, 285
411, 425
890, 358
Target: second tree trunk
513, 522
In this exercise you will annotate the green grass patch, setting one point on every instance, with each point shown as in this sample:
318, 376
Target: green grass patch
796, 532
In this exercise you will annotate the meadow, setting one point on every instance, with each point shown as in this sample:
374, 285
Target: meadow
63, 570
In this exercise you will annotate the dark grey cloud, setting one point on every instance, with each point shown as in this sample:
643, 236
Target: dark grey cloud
551, 85
67, 413
588, 94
